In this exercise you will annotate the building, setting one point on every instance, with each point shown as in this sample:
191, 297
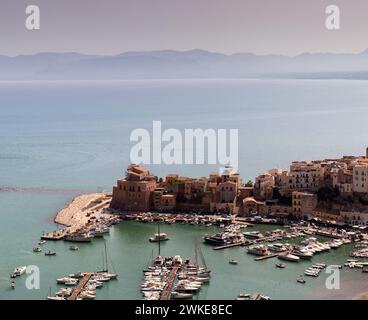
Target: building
360, 178
303, 203
264, 186
355, 218
135, 191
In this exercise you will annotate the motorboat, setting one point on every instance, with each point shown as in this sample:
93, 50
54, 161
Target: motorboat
280, 265
65, 279
301, 280
302, 253
232, 261
37, 249
56, 298
18, 271
289, 257
180, 295
50, 253
243, 296
259, 250
73, 248
278, 247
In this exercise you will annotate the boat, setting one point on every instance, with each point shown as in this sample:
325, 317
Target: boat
232, 261
73, 248
41, 242
243, 296
65, 279
37, 249
301, 280
259, 250
18, 271
289, 257
159, 237
50, 253
280, 265
104, 273
180, 295
56, 298
278, 247
254, 235
71, 282
79, 238
12, 284
218, 239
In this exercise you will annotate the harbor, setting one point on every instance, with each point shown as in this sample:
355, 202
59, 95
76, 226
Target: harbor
248, 275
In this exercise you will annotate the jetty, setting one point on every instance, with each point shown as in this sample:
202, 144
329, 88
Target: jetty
80, 286
237, 244
268, 256
167, 291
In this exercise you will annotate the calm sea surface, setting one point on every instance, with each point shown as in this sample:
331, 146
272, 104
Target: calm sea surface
60, 139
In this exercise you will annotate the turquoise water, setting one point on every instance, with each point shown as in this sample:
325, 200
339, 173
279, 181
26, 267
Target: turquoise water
60, 139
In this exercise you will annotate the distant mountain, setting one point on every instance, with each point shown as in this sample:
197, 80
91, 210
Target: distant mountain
182, 64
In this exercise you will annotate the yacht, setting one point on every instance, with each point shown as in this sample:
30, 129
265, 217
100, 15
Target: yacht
56, 298
65, 279
259, 250
278, 247
159, 237
302, 253
79, 238
253, 234
18, 271
289, 257
179, 295
218, 239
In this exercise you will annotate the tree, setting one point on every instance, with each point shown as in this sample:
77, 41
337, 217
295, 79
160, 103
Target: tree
249, 183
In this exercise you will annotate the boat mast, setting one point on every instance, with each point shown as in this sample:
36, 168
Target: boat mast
196, 253
159, 238
106, 265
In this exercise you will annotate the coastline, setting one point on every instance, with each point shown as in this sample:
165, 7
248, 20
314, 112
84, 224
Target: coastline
83, 212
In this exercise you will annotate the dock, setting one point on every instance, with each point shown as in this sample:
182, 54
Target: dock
167, 291
229, 246
80, 286
267, 257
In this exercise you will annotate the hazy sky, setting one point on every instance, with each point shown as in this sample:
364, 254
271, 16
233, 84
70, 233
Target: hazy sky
114, 26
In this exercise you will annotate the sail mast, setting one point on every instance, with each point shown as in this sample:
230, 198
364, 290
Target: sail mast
159, 239
106, 265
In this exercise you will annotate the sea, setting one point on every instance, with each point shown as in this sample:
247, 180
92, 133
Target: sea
59, 139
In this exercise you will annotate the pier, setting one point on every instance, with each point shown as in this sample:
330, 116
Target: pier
229, 246
268, 256
80, 286
167, 291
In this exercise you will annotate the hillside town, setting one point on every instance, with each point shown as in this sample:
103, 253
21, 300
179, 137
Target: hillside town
331, 190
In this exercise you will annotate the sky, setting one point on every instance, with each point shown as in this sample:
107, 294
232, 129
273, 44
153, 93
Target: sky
110, 27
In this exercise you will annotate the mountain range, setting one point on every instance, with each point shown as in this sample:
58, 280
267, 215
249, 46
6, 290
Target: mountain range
168, 64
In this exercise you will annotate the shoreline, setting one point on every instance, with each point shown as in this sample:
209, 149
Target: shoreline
82, 212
